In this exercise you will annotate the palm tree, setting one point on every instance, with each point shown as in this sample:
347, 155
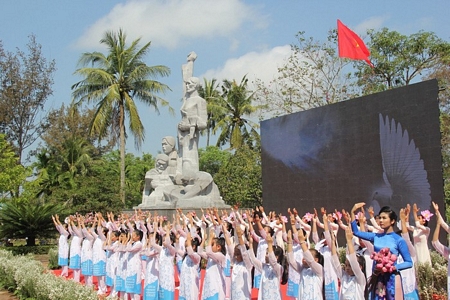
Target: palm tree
210, 92
113, 82
237, 102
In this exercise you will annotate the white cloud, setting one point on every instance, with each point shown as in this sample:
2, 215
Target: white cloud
256, 65
371, 23
167, 23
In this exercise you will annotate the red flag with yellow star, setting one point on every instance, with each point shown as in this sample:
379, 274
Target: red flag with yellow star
350, 44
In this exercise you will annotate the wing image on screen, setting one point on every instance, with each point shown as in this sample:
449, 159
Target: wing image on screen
404, 179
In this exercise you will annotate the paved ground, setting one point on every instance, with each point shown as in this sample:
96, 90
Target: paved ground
5, 295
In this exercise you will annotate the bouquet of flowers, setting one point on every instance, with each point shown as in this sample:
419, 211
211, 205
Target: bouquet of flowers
385, 261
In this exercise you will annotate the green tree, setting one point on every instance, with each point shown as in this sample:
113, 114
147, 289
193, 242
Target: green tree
240, 179
211, 159
26, 80
28, 219
235, 125
114, 82
312, 76
12, 174
210, 92
399, 59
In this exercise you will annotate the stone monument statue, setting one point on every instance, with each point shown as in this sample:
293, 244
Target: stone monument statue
176, 180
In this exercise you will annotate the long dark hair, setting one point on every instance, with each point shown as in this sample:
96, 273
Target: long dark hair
281, 259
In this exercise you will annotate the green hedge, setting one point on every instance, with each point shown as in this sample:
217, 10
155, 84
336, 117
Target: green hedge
28, 279
23, 250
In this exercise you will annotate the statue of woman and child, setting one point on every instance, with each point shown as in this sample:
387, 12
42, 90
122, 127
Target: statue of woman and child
176, 175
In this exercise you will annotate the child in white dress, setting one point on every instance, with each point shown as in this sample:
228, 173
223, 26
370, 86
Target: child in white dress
133, 283
272, 270
112, 260
75, 249
310, 269
99, 256
190, 269
152, 268
86, 254
166, 258
63, 246
353, 278
241, 276
214, 282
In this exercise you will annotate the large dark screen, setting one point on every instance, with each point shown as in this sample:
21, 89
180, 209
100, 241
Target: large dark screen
382, 149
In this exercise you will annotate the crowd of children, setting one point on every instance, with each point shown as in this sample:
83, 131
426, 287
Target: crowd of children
139, 256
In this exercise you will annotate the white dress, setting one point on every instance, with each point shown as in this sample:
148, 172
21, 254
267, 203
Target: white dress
241, 277
352, 287
151, 276
420, 237
214, 282
260, 254
112, 260
311, 282
166, 270
133, 277
98, 254
121, 271
75, 248
86, 253
189, 275
63, 246
271, 273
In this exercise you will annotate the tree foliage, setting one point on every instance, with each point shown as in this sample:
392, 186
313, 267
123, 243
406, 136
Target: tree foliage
28, 220
26, 80
399, 59
240, 179
12, 174
235, 125
211, 159
312, 76
113, 82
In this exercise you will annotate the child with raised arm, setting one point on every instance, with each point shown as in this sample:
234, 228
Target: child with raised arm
241, 276
86, 253
133, 283
408, 275
75, 248
214, 282
443, 250
99, 255
190, 269
165, 261
272, 270
310, 269
421, 231
63, 246
352, 278
112, 260
151, 283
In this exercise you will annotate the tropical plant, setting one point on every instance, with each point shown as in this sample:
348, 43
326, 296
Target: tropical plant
235, 125
210, 92
12, 174
28, 220
113, 82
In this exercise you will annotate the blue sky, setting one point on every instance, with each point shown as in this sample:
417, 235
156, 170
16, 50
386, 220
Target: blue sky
231, 37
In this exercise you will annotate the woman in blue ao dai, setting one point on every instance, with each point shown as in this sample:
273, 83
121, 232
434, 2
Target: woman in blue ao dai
385, 285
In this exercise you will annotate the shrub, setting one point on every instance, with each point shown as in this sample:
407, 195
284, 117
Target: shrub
53, 259
23, 250
28, 279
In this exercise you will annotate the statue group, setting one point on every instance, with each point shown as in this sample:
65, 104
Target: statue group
176, 181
